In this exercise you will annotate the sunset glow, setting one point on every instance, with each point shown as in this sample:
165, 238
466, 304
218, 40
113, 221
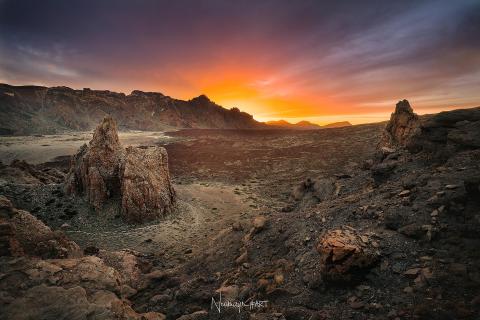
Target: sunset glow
307, 60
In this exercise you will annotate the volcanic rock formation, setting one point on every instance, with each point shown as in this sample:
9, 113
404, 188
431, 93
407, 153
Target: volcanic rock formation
23, 234
136, 179
145, 184
402, 125
46, 276
445, 133
439, 135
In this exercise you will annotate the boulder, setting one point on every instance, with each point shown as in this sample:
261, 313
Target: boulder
381, 172
344, 254
135, 181
318, 190
125, 262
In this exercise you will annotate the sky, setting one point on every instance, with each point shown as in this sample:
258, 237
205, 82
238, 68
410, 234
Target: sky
322, 61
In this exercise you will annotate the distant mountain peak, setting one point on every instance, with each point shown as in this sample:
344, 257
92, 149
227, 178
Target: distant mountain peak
306, 123
299, 125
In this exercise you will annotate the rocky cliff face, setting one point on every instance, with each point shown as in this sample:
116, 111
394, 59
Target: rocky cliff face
42, 110
438, 136
446, 133
136, 179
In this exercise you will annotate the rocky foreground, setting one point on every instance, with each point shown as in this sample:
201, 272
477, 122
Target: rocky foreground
393, 234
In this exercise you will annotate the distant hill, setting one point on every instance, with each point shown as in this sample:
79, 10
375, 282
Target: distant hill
43, 110
338, 124
306, 125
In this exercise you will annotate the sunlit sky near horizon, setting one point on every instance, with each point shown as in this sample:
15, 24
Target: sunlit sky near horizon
322, 61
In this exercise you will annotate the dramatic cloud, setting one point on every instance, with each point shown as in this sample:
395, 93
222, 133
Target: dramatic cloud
317, 60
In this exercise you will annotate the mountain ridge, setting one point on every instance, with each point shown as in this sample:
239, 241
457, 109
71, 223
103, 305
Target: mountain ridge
31, 109
306, 125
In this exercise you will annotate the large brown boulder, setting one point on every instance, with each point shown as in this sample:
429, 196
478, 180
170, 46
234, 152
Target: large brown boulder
134, 181
402, 125
344, 254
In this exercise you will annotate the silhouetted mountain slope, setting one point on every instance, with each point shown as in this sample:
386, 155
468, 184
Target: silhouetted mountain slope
41, 110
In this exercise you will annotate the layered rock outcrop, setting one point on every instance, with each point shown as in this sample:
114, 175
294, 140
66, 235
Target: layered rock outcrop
439, 135
23, 234
46, 276
445, 133
135, 181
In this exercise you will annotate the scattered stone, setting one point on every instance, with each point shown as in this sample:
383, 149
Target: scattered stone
316, 190
65, 226
413, 230
198, 315
382, 171
160, 298
408, 290
91, 251
242, 258
451, 186
354, 303
259, 223
412, 272
344, 253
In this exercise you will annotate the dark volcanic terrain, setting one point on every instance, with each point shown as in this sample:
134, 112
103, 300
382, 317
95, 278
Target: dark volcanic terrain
376, 221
